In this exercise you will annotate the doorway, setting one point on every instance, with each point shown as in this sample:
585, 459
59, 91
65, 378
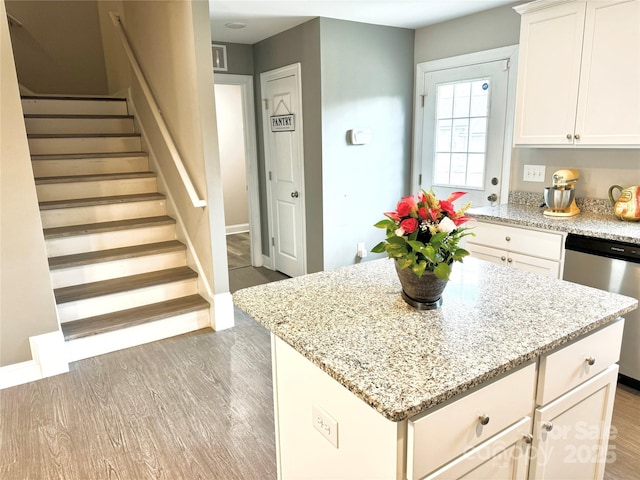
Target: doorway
239, 162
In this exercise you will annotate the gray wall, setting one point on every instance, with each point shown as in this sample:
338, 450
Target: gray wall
239, 58
299, 44
59, 47
499, 27
367, 82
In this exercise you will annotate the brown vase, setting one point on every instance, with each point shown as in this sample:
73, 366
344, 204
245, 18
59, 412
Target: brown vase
423, 293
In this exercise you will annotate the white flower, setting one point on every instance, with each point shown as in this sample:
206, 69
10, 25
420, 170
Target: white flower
446, 225
399, 232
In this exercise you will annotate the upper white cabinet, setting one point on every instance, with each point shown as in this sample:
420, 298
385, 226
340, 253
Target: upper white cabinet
579, 73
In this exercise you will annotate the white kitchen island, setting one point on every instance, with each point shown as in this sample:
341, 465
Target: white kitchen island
515, 373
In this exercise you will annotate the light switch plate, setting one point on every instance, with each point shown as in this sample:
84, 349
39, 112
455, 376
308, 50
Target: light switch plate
325, 424
534, 173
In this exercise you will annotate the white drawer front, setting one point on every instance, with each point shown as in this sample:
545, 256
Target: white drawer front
570, 366
522, 240
456, 428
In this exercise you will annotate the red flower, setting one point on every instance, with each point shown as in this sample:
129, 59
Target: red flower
422, 211
461, 219
448, 208
434, 213
454, 196
393, 216
404, 207
409, 225
422, 197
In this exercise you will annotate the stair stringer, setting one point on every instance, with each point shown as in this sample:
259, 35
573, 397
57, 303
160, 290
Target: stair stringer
221, 312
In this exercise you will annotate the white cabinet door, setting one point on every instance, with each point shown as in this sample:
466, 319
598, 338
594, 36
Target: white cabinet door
493, 255
548, 75
609, 102
504, 457
571, 433
534, 264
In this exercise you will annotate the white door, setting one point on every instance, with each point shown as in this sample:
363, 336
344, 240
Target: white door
282, 127
463, 131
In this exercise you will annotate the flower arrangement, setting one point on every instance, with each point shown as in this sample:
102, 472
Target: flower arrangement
424, 234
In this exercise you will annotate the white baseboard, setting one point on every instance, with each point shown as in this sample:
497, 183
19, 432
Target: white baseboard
222, 314
49, 358
240, 228
95, 345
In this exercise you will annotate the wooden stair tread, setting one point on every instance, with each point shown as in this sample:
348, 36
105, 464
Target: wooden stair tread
133, 316
72, 97
81, 135
123, 284
99, 256
79, 116
71, 230
96, 177
88, 202
85, 156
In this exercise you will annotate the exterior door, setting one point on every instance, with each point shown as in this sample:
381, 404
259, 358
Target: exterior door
282, 127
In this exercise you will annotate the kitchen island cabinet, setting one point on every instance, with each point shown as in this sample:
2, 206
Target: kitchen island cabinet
578, 74
367, 387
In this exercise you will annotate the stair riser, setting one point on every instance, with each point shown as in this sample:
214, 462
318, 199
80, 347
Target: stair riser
73, 107
71, 311
89, 166
78, 125
66, 277
104, 188
87, 347
105, 240
63, 217
51, 146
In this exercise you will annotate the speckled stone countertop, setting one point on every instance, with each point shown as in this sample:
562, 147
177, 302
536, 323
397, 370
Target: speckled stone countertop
353, 324
589, 223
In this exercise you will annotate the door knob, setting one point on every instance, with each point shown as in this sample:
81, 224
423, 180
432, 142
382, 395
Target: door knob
294, 194
493, 197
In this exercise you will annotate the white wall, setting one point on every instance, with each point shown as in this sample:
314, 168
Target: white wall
232, 156
27, 305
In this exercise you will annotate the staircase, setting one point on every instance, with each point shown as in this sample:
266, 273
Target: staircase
119, 275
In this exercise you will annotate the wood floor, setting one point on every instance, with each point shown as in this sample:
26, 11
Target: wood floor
238, 250
197, 406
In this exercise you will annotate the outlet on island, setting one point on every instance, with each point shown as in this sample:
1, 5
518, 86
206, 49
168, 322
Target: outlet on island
362, 250
325, 424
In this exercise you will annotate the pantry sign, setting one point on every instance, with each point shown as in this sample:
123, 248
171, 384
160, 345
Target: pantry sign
283, 123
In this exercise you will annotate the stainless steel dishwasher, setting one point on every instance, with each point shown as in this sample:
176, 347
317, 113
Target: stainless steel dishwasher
615, 267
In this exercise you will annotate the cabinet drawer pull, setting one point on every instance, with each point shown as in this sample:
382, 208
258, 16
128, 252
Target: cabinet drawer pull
548, 426
510, 260
569, 136
484, 419
590, 360
503, 258
528, 438
507, 238
577, 136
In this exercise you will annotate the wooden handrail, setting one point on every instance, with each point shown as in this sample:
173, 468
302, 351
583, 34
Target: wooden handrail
155, 111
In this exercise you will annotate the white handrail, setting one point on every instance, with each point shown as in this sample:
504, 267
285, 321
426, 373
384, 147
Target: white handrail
177, 160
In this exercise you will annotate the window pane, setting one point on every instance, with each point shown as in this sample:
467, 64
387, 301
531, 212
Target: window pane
443, 136
458, 169
444, 101
475, 170
460, 135
477, 135
479, 98
441, 168
461, 95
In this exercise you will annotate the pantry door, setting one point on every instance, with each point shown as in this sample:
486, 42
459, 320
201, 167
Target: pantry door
282, 127
464, 137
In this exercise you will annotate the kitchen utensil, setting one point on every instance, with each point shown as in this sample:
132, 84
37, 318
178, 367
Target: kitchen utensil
560, 197
627, 207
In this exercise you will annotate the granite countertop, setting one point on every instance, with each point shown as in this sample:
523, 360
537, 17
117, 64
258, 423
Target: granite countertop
353, 324
590, 224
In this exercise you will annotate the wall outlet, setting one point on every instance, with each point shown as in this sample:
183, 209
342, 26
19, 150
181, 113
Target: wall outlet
534, 173
362, 251
325, 424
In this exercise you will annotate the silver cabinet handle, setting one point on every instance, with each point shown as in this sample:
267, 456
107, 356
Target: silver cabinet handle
590, 360
569, 136
528, 438
503, 258
507, 238
548, 426
484, 419
294, 194
577, 136
510, 260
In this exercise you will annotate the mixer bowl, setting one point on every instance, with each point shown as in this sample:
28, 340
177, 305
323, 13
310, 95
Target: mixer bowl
558, 198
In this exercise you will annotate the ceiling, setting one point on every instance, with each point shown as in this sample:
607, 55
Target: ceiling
264, 18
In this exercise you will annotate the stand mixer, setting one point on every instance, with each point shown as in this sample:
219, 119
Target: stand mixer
560, 197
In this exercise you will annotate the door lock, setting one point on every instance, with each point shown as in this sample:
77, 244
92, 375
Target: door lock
295, 194
493, 197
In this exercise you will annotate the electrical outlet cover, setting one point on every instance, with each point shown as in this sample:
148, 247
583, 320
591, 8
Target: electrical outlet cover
325, 424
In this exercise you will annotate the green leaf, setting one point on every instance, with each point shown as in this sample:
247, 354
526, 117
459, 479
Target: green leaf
385, 224
404, 262
416, 245
459, 254
442, 271
419, 268
395, 240
430, 253
379, 248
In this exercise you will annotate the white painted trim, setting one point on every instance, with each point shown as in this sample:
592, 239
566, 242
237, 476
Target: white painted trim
266, 262
223, 314
251, 158
240, 228
503, 53
95, 345
294, 69
49, 358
